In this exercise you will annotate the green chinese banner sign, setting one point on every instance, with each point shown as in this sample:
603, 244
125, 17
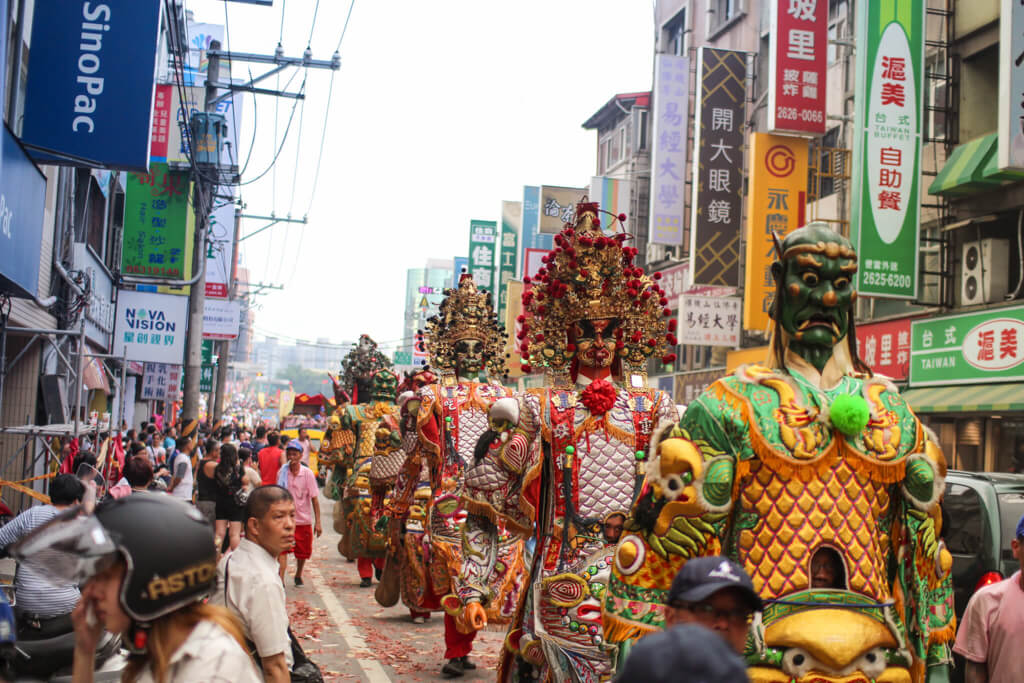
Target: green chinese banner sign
972, 348
887, 150
483, 242
157, 220
206, 378
511, 218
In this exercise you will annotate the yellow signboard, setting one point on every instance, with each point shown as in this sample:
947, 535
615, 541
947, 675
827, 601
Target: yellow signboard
776, 202
757, 354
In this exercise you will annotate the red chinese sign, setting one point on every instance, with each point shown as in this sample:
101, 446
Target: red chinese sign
885, 347
797, 66
161, 123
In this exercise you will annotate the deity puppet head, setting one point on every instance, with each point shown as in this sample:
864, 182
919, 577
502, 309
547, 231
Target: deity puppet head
464, 338
814, 296
357, 369
590, 307
383, 385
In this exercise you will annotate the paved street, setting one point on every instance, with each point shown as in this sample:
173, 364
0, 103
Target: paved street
351, 637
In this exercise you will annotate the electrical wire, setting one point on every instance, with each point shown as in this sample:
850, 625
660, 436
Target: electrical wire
316, 10
323, 138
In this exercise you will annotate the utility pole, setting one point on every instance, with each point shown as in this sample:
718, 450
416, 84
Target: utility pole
224, 348
197, 294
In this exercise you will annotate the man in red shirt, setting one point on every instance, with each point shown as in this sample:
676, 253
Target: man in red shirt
271, 459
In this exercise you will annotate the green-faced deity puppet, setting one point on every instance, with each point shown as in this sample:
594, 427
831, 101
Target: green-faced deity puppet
820, 481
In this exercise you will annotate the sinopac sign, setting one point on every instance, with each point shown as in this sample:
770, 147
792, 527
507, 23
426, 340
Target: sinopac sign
971, 348
90, 82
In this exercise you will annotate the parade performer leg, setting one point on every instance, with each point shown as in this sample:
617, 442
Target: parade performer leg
457, 646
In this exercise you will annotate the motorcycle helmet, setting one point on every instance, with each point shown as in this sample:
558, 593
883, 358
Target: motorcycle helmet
166, 544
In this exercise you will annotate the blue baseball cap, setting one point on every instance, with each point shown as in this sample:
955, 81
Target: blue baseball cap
294, 445
1020, 529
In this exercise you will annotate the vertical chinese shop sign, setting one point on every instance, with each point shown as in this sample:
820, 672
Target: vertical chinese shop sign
887, 150
157, 220
715, 219
511, 218
483, 242
668, 161
797, 66
775, 204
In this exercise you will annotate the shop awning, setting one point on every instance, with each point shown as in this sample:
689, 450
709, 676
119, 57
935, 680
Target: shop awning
981, 398
964, 171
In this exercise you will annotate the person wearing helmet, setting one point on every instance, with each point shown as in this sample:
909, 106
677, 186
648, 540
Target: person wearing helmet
147, 586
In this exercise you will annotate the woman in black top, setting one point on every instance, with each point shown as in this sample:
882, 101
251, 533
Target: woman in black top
229, 481
206, 486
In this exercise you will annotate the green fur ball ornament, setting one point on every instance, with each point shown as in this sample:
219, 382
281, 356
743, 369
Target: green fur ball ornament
849, 414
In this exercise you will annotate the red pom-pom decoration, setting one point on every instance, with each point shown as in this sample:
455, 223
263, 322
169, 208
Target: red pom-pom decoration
599, 396
526, 368
656, 276
672, 324
622, 218
668, 359
527, 280
570, 347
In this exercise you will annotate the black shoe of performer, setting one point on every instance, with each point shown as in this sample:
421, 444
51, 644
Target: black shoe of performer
453, 668
377, 572
466, 664
365, 582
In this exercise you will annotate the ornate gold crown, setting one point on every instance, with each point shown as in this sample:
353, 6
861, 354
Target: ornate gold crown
465, 313
590, 275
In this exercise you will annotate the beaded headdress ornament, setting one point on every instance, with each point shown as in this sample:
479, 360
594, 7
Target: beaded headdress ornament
465, 313
589, 275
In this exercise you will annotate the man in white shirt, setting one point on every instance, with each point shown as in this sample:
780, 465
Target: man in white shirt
248, 582
181, 470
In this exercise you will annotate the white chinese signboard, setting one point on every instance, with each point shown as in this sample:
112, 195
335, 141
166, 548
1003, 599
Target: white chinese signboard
668, 158
709, 321
150, 327
154, 382
220, 319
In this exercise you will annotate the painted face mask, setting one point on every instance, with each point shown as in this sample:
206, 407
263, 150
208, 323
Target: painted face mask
816, 294
469, 357
595, 342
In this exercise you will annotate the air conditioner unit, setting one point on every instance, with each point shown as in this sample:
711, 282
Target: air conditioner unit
655, 253
984, 267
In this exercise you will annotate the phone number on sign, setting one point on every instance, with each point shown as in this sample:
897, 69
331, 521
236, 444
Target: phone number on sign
894, 280
793, 114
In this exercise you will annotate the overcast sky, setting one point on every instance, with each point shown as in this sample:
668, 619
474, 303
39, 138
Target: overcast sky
439, 112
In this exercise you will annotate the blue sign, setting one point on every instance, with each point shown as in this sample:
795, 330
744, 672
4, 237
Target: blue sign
89, 99
461, 266
22, 198
531, 213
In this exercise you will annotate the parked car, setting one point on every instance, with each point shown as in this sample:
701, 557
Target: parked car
980, 515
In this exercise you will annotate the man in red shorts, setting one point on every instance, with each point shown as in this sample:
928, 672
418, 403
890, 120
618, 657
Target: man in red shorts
301, 483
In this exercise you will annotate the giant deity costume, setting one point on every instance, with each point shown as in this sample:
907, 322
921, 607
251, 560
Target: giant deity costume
373, 424
406, 574
566, 462
463, 340
807, 461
